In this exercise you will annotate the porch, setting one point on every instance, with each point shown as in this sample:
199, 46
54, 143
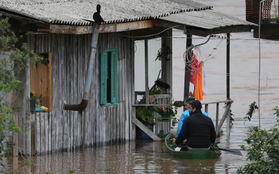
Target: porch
219, 117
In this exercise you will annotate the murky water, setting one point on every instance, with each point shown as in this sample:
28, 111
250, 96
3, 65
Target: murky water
153, 157
142, 157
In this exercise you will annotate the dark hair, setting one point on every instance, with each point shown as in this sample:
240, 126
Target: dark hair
196, 104
190, 100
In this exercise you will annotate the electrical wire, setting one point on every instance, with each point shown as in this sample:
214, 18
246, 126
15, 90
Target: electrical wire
151, 35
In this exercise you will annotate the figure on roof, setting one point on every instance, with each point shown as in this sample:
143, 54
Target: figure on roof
97, 16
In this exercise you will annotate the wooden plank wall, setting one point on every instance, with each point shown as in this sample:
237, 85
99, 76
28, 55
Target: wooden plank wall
63, 130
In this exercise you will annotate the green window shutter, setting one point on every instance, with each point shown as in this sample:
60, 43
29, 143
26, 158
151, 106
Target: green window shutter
114, 84
104, 76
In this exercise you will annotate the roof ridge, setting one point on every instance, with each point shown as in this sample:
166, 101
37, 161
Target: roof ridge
36, 3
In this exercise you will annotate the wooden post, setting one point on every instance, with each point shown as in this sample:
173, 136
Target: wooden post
206, 108
217, 114
166, 66
228, 66
33, 152
15, 136
146, 71
228, 107
187, 69
228, 122
84, 130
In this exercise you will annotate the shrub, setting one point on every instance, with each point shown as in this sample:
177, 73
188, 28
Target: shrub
262, 150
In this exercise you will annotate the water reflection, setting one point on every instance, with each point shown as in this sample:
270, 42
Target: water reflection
135, 157
141, 157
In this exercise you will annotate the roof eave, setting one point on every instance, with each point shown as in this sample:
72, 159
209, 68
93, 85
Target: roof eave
220, 30
204, 31
25, 18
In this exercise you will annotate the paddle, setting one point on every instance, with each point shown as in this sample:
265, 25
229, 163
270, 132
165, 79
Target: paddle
235, 152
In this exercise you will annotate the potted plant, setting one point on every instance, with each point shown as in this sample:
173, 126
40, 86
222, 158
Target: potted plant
167, 113
145, 114
35, 102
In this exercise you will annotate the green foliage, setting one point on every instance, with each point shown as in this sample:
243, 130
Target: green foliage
155, 90
145, 113
263, 150
276, 113
164, 53
252, 108
10, 69
20, 57
7, 36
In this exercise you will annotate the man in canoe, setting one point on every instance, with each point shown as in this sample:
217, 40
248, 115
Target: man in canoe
185, 114
197, 129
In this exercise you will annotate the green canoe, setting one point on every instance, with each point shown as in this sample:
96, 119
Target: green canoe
195, 153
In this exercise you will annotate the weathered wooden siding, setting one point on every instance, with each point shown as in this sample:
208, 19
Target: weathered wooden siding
63, 130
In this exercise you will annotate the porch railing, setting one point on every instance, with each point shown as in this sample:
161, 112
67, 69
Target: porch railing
160, 100
226, 115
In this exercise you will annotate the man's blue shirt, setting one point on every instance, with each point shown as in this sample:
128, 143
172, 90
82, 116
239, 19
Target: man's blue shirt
184, 115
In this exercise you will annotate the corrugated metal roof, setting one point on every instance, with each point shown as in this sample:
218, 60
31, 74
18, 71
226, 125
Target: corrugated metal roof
206, 19
78, 12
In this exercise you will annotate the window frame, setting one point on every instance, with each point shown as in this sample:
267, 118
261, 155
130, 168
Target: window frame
108, 77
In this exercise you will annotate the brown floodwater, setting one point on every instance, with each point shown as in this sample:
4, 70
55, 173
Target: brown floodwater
153, 157
141, 157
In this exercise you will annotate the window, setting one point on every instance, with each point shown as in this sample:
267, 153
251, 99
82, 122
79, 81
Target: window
109, 77
41, 78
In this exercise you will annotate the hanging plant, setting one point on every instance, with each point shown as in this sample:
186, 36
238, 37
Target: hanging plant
164, 53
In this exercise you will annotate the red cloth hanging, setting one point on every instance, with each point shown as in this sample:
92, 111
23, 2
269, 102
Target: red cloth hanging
194, 69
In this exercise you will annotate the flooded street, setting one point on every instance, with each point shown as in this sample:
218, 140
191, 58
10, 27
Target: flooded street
143, 157
153, 157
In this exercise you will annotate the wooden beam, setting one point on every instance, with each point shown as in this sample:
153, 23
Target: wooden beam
105, 28
145, 129
70, 29
63, 29
43, 29
111, 28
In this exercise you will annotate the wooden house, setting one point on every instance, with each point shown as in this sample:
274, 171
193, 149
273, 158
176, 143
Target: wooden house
266, 14
61, 32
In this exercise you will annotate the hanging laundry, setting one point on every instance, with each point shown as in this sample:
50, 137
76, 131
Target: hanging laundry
204, 89
198, 86
194, 68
